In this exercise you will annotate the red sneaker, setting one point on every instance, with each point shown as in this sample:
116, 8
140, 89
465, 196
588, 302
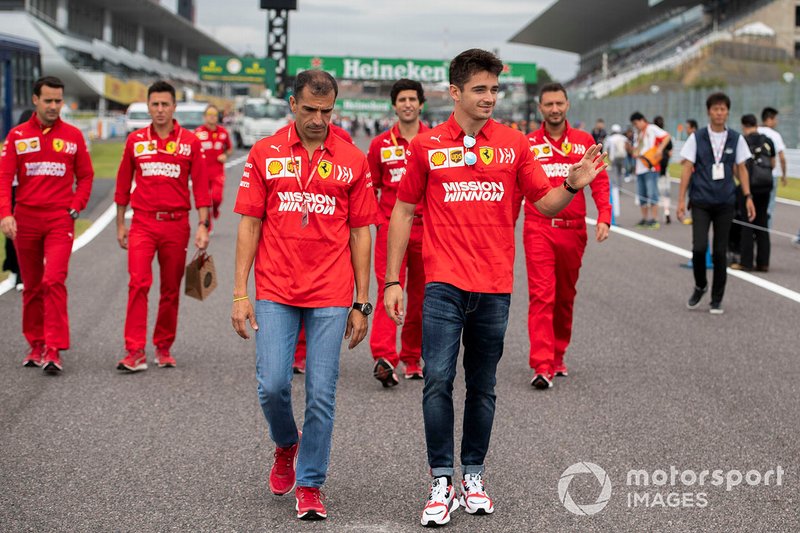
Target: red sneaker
164, 359
135, 361
52, 361
282, 476
542, 380
561, 370
413, 370
384, 372
35, 356
309, 504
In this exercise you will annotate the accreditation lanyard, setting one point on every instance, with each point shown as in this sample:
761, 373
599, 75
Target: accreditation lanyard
718, 170
394, 139
303, 189
171, 145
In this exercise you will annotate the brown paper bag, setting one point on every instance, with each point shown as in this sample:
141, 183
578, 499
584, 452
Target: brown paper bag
201, 276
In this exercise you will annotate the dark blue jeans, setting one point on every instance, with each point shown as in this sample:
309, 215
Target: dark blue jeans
479, 320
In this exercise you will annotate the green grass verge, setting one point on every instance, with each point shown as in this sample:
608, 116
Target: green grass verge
81, 225
105, 158
791, 191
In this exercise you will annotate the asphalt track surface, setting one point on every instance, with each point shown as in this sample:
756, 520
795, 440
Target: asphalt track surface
652, 386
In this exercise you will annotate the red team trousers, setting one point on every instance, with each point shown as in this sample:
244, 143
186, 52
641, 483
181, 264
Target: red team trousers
147, 237
383, 339
553, 256
217, 184
44, 245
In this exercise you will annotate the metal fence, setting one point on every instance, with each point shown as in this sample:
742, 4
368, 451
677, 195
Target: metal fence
677, 106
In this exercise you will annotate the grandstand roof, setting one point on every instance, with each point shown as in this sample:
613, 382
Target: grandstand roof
580, 26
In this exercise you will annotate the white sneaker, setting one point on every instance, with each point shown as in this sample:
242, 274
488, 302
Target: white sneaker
441, 503
473, 496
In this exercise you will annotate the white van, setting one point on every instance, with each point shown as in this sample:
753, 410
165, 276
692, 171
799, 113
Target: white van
257, 118
190, 114
137, 117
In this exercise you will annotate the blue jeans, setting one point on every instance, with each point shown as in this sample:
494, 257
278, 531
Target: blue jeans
479, 320
647, 187
276, 338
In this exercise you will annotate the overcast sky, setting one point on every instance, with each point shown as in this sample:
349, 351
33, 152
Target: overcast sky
424, 29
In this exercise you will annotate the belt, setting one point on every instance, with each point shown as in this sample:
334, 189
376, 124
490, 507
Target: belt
563, 223
163, 215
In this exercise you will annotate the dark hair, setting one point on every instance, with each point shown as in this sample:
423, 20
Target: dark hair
470, 62
768, 113
319, 83
692, 122
404, 84
553, 88
637, 116
659, 121
49, 81
718, 98
749, 121
25, 116
161, 86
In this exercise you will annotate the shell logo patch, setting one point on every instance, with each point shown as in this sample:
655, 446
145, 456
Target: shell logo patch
487, 154
144, 148
324, 169
386, 154
438, 158
282, 167
274, 167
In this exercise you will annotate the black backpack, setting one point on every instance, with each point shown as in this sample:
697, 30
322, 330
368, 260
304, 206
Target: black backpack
760, 166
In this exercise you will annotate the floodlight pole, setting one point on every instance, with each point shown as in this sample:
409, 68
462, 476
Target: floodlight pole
278, 38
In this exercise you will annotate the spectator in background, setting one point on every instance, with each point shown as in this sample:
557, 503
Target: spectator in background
599, 131
665, 179
630, 161
759, 170
618, 147
691, 126
648, 151
10, 263
769, 121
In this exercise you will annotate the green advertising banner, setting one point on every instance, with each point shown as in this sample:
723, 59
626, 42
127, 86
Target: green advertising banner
379, 69
236, 69
351, 105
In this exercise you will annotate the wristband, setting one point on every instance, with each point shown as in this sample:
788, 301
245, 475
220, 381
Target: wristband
390, 284
570, 188
206, 223
239, 299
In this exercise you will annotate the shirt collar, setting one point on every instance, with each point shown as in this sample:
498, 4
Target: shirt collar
329, 143
396, 129
563, 137
172, 134
457, 133
38, 123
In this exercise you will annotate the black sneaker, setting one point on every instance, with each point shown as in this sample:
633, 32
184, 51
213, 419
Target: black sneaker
668, 220
697, 295
384, 372
642, 223
716, 308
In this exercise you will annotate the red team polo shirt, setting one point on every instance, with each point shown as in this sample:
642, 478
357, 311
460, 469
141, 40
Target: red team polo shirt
306, 266
468, 236
556, 157
387, 163
214, 143
48, 162
162, 168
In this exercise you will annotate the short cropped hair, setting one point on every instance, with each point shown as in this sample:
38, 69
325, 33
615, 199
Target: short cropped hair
718, 98
161, 86
552, 88
319, 83
749, 121
768, 113
470, 62
405, 84
49, 81
637, 116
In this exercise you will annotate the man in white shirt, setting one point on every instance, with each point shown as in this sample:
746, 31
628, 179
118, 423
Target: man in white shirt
648, 149
769, 120
710, 159
617, 145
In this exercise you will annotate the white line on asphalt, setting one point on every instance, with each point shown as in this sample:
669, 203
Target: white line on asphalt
99, 225
745, 276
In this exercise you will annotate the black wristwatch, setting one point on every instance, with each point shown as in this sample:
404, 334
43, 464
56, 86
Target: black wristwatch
74, 214
570, 188
365, 308
206, 223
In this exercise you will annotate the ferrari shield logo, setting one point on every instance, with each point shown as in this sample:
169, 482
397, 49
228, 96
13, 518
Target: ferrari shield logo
171, 147
487, 154
566, 147
324, 168
58, 144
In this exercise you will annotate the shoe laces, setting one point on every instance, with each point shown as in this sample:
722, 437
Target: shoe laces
310, 495
473, 484
439, 490
284, 458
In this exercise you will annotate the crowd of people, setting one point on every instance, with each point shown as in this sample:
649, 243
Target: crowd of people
307, 198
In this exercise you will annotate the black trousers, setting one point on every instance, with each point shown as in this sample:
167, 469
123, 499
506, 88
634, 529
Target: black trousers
721, 218
761, 202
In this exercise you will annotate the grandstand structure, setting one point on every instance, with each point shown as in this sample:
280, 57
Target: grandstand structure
622, 40
109, 51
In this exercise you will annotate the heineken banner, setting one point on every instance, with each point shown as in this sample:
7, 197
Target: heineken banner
424, 70
236, 69
347, 105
